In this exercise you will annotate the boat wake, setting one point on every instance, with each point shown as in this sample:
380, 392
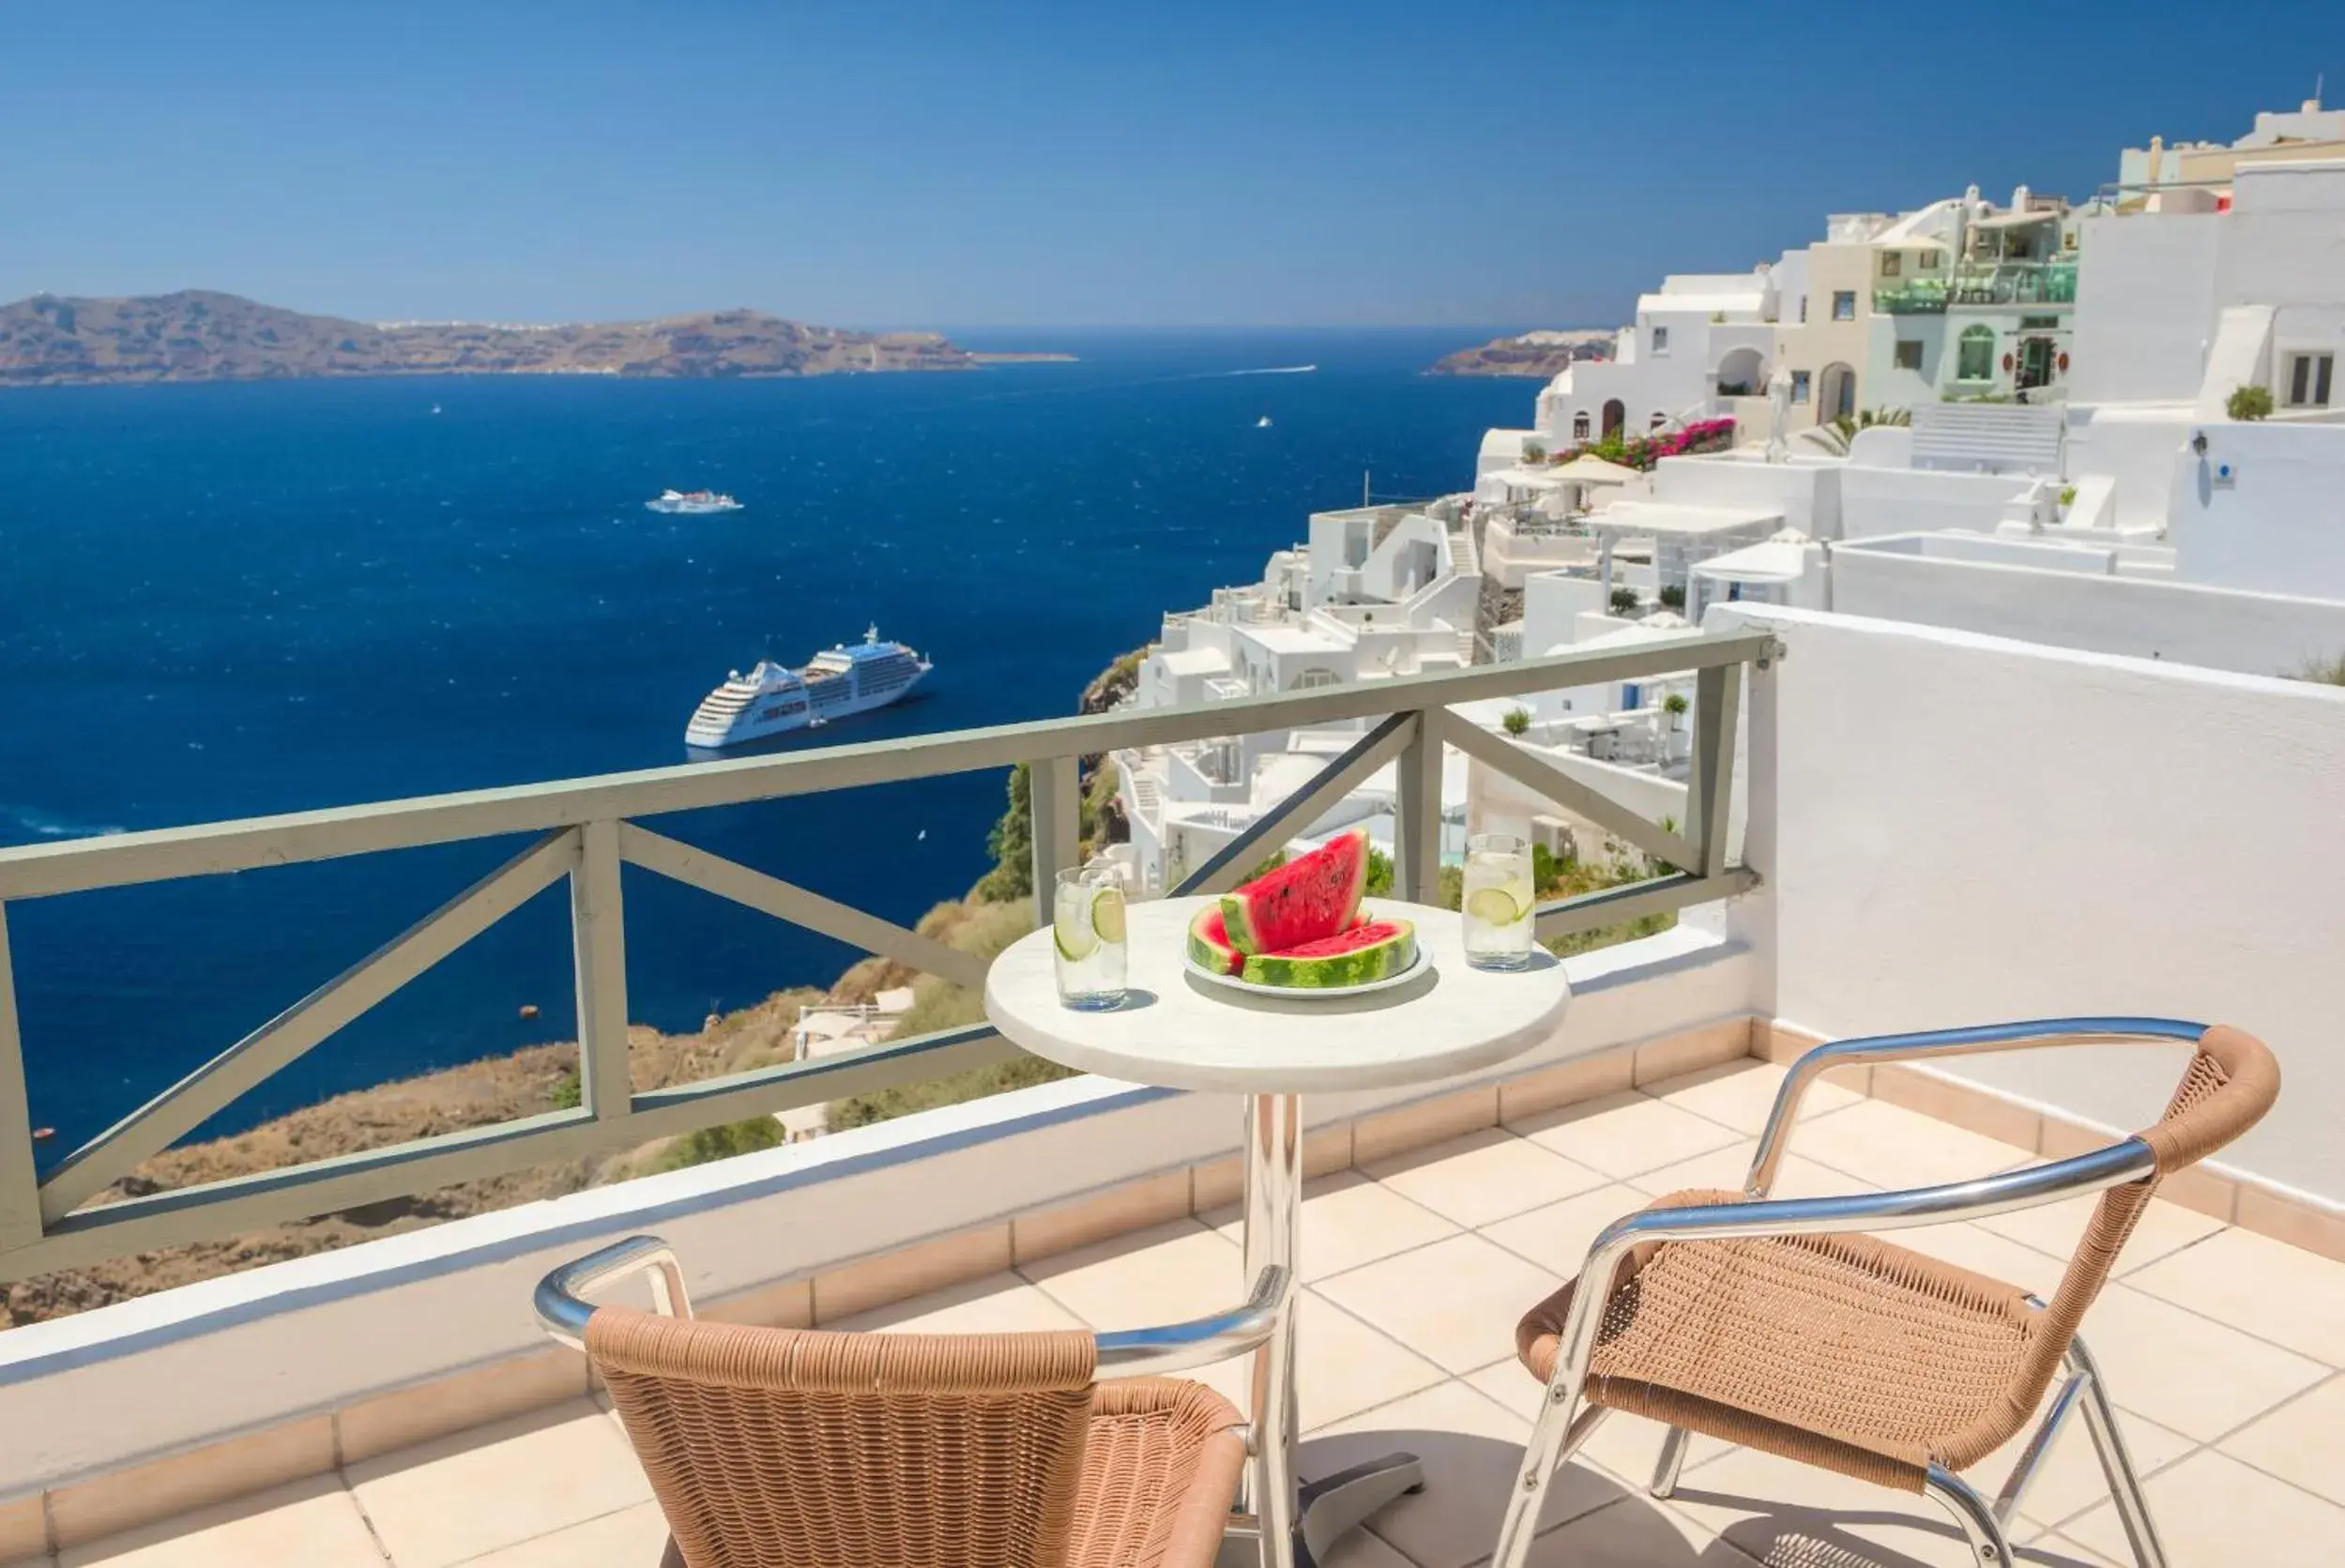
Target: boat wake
1266, 370
39, 824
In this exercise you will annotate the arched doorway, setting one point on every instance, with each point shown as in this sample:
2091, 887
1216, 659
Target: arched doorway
1741, 373
1615, 414
1836, 394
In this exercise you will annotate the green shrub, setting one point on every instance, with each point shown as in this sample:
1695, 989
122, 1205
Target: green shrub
1517, 720
2249, 403
569, 1094
1623, 600
1675, 703
1672, 596
723, 1142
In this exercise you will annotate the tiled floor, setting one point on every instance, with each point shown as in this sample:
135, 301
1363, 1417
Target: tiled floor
2222, 1349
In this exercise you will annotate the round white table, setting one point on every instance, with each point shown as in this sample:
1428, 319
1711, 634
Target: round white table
1178, 1032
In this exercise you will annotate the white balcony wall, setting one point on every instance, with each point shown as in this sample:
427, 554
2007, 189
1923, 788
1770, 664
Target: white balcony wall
2067, 595
1959, 830
2273, 524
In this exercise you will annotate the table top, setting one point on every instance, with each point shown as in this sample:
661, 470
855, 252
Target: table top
1177, 1031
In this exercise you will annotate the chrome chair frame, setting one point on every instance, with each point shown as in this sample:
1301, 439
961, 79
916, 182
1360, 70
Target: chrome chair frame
1563, 1424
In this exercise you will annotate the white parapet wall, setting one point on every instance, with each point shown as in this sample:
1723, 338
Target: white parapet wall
1956, 828
2061, 593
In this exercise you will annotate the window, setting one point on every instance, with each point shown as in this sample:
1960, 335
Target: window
2308, 379
1661, 339
1799, 385
1891, 264
1844, 305
1658, 421
1929, 261
1974, 356
1579, 425
1909, 354
1802, 310
2039, 323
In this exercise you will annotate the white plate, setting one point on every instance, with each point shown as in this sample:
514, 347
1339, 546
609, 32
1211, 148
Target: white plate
1417, 966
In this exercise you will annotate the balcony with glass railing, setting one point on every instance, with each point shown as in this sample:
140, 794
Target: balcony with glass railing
1863, 846
2012, 283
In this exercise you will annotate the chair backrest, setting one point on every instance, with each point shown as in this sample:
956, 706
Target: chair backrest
778, 1448
2230, 1082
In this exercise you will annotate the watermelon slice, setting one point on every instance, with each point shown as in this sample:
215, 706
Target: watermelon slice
1301, 901
1373, 951
1208, 943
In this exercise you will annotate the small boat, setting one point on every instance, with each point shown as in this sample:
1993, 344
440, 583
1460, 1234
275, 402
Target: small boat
1262, 423
773, 699
693, 503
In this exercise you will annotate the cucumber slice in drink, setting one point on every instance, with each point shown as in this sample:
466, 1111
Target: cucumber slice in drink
1492, 906
1107, 914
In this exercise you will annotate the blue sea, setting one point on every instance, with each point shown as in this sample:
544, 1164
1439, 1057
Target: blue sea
223, 601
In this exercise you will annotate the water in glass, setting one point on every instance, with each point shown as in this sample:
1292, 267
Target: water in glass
1088, 928
1499, 902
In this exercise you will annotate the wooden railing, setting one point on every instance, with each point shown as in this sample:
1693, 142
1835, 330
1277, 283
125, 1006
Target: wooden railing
584, 834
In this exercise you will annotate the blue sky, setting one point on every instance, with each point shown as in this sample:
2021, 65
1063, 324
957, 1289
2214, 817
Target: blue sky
1192, 163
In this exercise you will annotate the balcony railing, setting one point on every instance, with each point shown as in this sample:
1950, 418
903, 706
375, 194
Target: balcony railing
584, 833
2000, 283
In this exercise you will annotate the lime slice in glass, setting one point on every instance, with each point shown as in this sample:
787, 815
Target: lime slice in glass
1492, 906
1071, 929
1107, 914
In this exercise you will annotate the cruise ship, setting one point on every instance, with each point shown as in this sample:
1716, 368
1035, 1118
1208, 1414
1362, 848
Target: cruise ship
693, 503
773, 699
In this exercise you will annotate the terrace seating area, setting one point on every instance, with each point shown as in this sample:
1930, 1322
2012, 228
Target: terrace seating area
1865, 851
2225, 1350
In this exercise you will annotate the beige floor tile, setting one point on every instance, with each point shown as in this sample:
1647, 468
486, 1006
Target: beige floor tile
1622, 1134
2071, 1481
631, 1538
2303, 1441
1556, 1236
1633, 1533
1163, 1274
2212, 1510
1348, 1220
2271, 1289
1485, 1176
1472, 1451
1983, 1252
998, 1303
476, 1492
1344, 1366
2056, 1227
1780, 1511
1456, 1303
2182, 1371
1362, 1549
1891, 1147
315, 1523
1625, 1446
23, 1529
2058, 1551
42, 1562
1728, 1169
1738, 1094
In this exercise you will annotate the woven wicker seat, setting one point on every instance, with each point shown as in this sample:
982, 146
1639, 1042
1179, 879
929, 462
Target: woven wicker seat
772, 1448
1899, 1362
1785, 1329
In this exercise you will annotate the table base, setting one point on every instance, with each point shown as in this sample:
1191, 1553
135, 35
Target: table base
1295, 1524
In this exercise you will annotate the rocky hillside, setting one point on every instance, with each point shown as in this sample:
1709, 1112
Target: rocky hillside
1542, 354
196, 335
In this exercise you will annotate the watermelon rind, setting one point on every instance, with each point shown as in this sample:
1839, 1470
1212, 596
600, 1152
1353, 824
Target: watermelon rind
1304, 901
1371, 952
1209, 947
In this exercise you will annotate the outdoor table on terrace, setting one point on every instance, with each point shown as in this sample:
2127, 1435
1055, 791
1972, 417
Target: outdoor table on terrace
1177, 1031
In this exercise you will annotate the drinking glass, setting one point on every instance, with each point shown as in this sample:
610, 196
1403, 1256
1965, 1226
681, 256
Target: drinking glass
1501, 904
1088, 928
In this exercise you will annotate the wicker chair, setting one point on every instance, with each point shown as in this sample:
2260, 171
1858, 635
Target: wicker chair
780, 1448
1775, 1324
